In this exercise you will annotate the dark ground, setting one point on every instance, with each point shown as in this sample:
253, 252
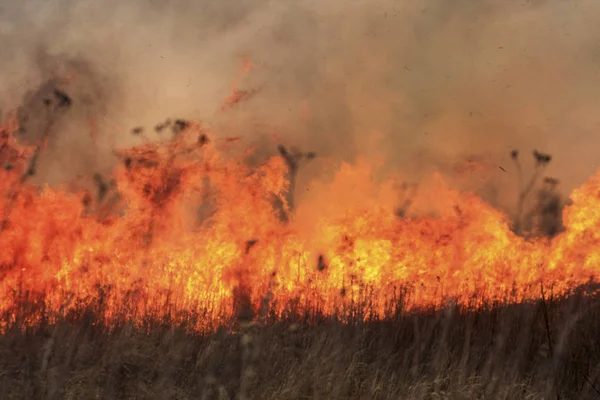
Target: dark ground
548, 349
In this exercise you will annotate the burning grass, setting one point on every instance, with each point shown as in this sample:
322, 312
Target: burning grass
184, 224
193, 272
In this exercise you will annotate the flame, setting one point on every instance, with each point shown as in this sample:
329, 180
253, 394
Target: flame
189, 227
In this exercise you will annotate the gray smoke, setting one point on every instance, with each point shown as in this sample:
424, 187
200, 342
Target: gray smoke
444, 83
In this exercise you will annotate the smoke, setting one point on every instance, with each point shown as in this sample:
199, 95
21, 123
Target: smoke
424, 85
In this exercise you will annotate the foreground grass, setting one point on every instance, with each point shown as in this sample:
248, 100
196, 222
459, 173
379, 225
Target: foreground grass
544, 350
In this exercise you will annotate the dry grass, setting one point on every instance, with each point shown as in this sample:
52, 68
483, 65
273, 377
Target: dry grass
544, 350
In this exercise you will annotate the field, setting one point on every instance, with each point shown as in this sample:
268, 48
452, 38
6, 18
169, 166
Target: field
122, 299
549, 349
299, 200
127, 299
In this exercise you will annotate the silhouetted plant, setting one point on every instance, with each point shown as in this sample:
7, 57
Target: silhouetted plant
541, 162
292, 158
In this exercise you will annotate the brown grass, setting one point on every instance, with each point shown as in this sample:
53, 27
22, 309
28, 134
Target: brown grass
540, 350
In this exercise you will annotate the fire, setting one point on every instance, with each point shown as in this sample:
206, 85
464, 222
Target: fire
189, 227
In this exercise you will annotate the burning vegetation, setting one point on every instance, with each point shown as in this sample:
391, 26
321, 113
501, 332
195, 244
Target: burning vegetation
344, 220
185, 234
141, 239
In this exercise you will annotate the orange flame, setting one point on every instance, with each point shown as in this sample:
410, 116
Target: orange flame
194, 226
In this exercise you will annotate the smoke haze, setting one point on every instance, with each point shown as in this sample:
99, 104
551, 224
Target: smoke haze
422, 84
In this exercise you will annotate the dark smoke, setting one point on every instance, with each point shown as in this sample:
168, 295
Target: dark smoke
65, 113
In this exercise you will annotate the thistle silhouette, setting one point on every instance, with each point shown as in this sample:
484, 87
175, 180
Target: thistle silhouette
545, 217
292, 158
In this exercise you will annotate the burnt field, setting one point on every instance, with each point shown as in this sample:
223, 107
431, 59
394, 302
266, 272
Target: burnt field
547, 349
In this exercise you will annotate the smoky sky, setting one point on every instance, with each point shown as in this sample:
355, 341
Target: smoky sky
423, 83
